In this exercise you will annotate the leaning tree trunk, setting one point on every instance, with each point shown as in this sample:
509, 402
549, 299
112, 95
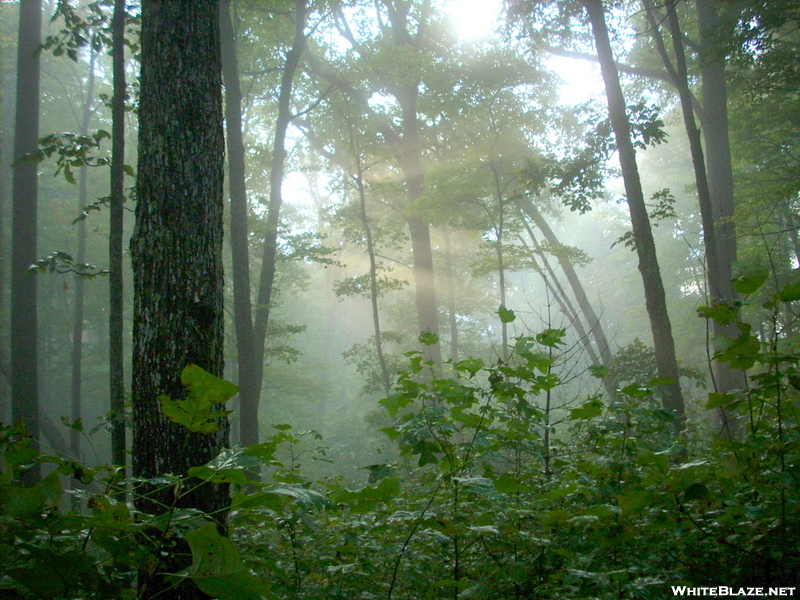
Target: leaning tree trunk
24, 370
655, 298
585, 306
176, 251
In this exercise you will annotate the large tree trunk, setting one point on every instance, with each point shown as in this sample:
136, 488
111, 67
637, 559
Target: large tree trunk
24, 356
655, 298
409, 157
115, 282
176, 251
720, 183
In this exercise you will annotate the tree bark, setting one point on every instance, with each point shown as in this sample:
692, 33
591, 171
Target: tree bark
24, 314
655, 298
115, 281
176, 251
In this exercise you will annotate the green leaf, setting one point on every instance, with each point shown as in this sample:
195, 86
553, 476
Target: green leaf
229, 466
507, 484
715, 400
217, 567
395, 402
506, 315
721, 313
748, 283
470, 365
790, 292
589, 410
204, 390
552, 338
695, 491
599, 371
428, 339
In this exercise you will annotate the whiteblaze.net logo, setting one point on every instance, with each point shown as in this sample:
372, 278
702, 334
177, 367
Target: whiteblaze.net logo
725, 591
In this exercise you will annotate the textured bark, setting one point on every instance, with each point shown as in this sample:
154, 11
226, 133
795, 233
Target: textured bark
655, 298
24, 356
248, 379
115, 281
176, 251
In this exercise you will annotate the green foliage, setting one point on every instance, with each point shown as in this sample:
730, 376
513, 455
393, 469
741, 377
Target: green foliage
483, 498
198, 411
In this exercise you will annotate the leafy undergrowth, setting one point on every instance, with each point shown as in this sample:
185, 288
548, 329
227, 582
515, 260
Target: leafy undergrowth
482, 500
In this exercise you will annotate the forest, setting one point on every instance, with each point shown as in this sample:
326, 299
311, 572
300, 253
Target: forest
399, 299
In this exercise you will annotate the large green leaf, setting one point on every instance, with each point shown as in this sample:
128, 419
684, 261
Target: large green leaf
218, 570
204, 390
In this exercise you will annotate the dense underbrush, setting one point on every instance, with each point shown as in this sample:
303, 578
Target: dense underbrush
491, 492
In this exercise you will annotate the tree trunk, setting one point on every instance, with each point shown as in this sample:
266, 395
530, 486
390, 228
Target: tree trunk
592, 320
655, 298
373, 278
115, 282
451, 295
719, 168
249, 430
176, 251
24, 356
76, 357
248, 378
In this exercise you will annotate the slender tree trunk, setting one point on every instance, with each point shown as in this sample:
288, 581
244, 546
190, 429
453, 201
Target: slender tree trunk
115, 281
655, 298
373, 279
176, 252
450, 289
270, 256
585, 306
554, 286
248, 378
80, 257
501, 268
24, 315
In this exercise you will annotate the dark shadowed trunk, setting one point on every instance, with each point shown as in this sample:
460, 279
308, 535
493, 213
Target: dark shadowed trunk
115, 281
655, 298
24, 356
248, 378
176, 251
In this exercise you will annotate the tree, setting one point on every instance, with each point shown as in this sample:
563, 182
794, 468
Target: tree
24, 315
176, 251
655, 298
115, 284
